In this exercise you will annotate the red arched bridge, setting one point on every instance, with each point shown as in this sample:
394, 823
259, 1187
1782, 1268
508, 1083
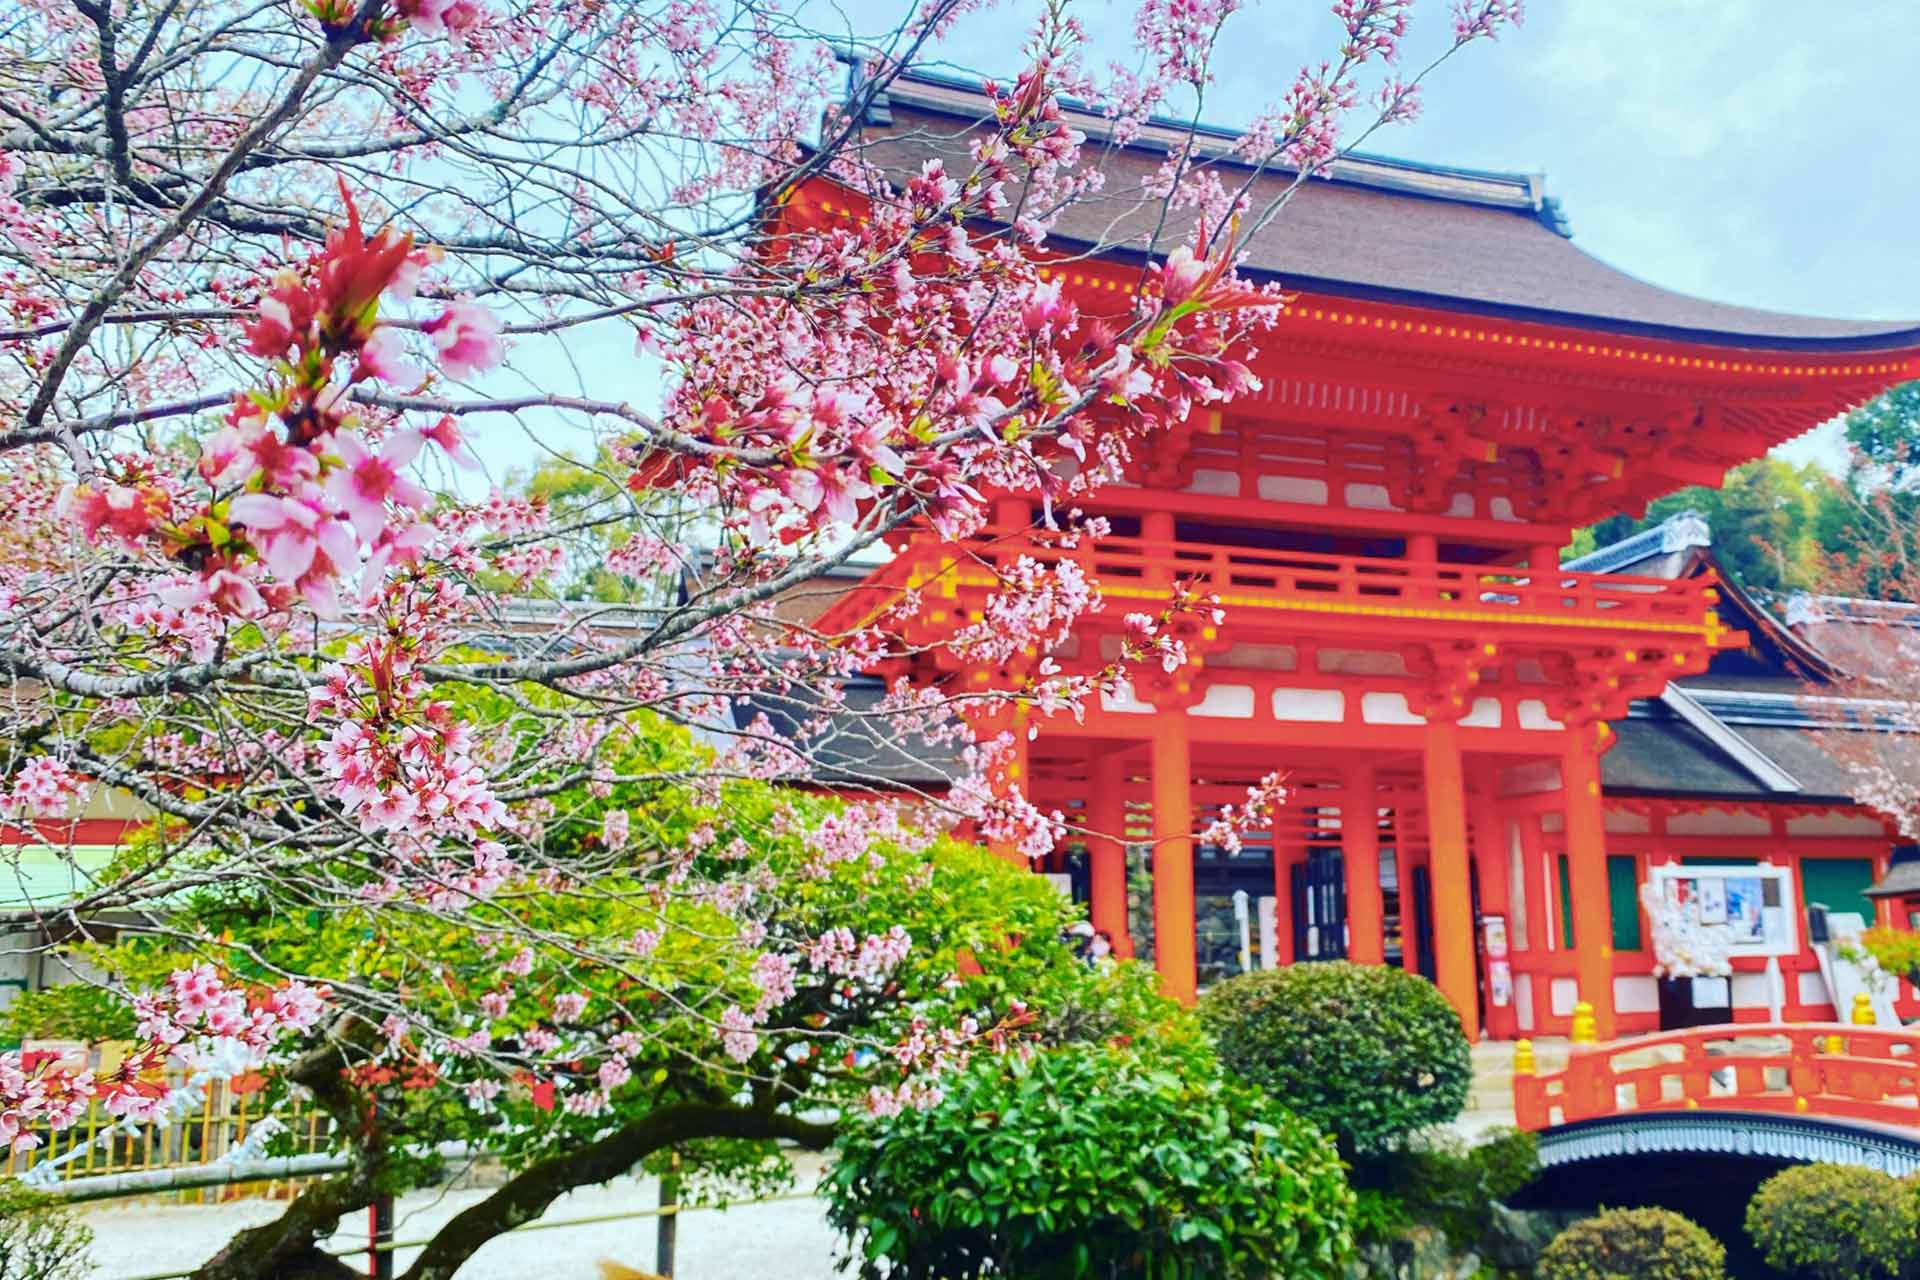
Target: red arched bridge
1773, 1093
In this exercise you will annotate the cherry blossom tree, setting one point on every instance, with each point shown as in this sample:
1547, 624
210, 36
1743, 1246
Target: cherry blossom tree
1867, 625
288, 288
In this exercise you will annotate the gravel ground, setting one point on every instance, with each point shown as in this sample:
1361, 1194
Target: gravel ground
789, 1239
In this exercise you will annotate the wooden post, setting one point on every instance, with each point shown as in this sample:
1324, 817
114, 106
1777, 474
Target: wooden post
1360, 850
1106, 846
1423, 557
1587, 875
1493, 856
1452, 893
1173, 907
380, 1237
1539, 934
666, 1235
1289, 848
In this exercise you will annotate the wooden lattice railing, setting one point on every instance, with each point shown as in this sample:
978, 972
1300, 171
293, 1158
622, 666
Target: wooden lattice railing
1838, 1071
1130, 569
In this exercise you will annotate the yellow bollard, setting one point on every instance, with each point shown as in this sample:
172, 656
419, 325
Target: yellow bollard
1799, 1104
1835, 1046
1583, 1028
1523, 1064
1863, 1010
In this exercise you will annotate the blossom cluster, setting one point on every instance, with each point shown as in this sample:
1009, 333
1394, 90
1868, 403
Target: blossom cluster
298, 497
198, 1020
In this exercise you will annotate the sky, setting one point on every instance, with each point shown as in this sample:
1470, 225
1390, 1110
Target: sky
1757, 152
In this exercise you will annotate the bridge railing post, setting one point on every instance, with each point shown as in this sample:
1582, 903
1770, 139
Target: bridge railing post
1529, 1093
1803, 1068
1696, 1076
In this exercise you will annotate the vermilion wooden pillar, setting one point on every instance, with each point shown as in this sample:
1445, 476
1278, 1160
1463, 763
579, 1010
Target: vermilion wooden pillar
1493, 857
1360, 850
1452, 893
1106, 846
1587, 875
1017, 773
1173, 908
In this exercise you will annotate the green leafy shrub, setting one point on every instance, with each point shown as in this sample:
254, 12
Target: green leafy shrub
1633, 1244
1836, 1222
1369, 1053
40, 1237
1086, 1160
1895, 950
1444, 1183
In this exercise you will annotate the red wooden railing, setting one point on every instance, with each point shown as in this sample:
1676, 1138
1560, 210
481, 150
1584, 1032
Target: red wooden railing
1136, 567
1834, 1070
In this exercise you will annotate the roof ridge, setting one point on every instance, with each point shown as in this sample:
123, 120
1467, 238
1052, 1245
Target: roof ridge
1492, 188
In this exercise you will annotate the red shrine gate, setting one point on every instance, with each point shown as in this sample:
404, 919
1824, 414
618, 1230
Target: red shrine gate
1381, 523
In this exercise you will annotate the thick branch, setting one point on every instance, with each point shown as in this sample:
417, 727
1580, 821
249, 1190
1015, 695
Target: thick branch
526, 1196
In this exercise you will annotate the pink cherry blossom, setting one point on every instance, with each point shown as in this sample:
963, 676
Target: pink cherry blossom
366, 482
467, 336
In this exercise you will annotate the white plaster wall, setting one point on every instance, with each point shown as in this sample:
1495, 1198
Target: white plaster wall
1387, 708
1324, 706
1835, 824
1718, 822
1636, 993
1226, 702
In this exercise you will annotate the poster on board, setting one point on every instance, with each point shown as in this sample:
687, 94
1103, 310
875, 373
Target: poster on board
1711, 893
1745, 908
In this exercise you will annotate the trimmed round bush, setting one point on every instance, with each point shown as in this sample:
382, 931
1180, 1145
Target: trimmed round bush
1091, 1160
1633, 1244
1369, 1053
1835, 1222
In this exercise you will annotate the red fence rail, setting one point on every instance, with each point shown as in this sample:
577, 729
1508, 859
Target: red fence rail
1834, 1070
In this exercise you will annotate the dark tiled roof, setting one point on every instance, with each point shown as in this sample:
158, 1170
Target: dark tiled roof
1903, 875
854, 749
1667, 756
1388, 230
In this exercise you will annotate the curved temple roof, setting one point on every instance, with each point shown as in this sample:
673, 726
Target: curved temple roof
1464, 240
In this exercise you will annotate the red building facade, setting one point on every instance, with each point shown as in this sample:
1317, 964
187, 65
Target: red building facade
1454, 389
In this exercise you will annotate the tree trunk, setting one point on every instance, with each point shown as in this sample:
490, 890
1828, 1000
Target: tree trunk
289, 1245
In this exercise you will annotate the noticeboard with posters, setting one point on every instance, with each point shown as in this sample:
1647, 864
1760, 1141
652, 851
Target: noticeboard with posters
1749, 906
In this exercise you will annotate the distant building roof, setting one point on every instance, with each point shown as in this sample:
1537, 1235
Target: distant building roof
1390, 230
1674, 535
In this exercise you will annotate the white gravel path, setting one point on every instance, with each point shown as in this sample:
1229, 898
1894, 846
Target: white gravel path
789, 1239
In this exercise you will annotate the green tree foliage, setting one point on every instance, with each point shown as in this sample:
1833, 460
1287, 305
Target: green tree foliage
1439, 1180
1369, 1053
1105, 1154
1835, 1222
967, 912
1633, 1244
1768, 521
1885, 433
